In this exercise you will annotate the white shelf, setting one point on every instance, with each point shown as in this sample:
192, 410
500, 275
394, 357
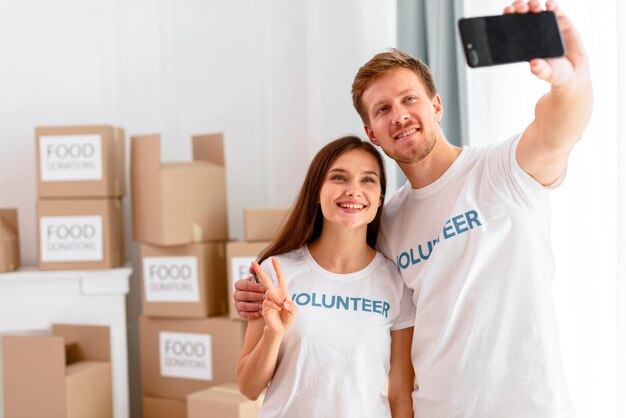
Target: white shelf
31, 300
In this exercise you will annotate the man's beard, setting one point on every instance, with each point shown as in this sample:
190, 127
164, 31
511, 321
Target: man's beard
416, 153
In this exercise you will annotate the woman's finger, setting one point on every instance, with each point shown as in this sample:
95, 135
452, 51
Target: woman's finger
267, 282
282, 283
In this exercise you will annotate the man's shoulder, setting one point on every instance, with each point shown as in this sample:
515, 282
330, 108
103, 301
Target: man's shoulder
398, 198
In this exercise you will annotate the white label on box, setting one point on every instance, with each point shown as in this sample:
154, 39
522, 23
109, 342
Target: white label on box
70, 157
185, 355
171, 279
71, 238
240, 268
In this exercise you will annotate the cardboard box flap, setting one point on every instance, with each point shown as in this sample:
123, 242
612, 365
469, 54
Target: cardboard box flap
85, 366
34, 373
146, 153
209, 148
8, 223
93, 341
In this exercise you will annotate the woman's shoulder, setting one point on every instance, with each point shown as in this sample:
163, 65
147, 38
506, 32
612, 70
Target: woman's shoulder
292, 257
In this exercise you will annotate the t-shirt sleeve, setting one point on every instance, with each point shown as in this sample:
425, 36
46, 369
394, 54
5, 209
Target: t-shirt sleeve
406, 316
508, 179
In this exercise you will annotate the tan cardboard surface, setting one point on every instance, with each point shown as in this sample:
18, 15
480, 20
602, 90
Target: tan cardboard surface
94, 341
9, 240
110, 211
89, 390
113, 181
34, 376
211, 280
178, 203
239, 254
263, 224
163, 408
224, 401
40, 379
226, 344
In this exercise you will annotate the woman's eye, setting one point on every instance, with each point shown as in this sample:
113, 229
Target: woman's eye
369, 180
338, 177
411, 99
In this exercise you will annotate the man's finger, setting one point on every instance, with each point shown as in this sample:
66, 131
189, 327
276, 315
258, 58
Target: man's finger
241, 295
520, 6
248, 307
249, 315
249, 286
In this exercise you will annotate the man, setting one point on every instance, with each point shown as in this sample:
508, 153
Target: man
470, 233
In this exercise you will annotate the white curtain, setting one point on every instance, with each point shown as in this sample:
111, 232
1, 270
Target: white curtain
589, 232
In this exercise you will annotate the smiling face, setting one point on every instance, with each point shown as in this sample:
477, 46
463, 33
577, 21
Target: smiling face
403, 119
351, 192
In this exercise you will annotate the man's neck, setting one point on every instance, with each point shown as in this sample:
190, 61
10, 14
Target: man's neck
431, 168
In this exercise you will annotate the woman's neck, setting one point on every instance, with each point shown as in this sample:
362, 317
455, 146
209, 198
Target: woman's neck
342, 250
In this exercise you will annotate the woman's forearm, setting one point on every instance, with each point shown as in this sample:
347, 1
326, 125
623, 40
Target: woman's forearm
255, 370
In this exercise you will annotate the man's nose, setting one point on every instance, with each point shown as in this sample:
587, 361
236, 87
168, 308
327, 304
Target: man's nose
400, 114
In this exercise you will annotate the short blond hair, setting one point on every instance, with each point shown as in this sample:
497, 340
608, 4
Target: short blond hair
381, 64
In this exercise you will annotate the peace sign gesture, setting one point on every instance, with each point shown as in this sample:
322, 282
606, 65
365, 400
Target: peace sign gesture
279, 310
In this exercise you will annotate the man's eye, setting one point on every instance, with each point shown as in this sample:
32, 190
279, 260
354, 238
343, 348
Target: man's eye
383, 109
411, 99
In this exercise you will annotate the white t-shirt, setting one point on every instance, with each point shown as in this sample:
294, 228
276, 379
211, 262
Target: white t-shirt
333, 360
474, 246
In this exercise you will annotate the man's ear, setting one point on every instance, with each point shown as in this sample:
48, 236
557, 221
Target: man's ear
370, 135
438, 106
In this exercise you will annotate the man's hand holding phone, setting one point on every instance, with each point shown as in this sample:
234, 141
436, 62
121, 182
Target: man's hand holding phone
561, 72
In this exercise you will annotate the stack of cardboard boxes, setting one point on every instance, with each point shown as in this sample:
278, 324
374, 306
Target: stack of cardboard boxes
188, 343
80, 184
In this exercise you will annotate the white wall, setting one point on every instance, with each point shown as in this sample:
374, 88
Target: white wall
274, 76
585, 221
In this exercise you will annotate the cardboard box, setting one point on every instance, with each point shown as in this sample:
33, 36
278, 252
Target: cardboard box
80, 234
80, 161
179, 203
9, 240
263, 224
181, 356
224, 401
239, 256
163, 408
186, 281
67, 374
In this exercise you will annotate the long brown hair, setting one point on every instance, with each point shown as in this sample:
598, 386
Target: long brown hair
304, 224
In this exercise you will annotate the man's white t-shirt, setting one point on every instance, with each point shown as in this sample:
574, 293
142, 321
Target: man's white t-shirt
474, 246
334, 359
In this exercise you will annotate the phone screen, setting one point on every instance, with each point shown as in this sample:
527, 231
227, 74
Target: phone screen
493, 40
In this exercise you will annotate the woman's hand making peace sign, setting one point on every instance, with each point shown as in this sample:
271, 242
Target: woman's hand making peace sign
279, 310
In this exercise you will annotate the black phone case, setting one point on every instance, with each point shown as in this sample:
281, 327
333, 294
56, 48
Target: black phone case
503, 39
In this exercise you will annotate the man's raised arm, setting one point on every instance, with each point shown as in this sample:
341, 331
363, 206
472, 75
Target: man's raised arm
562, 114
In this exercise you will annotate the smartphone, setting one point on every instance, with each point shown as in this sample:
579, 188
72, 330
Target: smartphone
503, 39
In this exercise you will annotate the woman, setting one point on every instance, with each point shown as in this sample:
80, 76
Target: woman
329, 348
